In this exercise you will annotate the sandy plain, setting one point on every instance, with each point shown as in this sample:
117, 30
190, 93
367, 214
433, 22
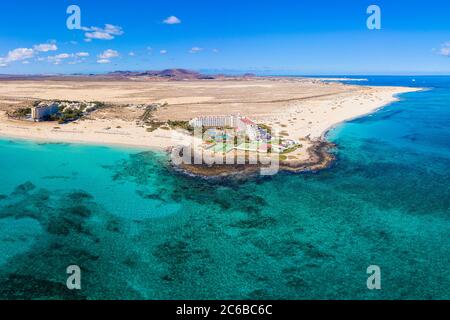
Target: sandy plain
300, 109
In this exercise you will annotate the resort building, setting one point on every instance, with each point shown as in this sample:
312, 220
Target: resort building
240, 124
214, 121
42, 111
249, 127
250, 136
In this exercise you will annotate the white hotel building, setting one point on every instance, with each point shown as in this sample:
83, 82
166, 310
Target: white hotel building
43, 110
239, 123
214, 121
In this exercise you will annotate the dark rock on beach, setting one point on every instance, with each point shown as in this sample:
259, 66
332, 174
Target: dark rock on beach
320, 158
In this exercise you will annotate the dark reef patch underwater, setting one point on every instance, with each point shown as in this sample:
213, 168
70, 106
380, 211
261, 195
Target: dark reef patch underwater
141, 231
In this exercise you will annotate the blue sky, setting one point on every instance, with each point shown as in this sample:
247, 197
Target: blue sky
278, 37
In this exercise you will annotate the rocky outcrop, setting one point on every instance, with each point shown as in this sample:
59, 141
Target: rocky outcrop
320, 157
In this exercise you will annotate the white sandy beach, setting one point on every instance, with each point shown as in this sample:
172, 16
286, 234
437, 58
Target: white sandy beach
318, 107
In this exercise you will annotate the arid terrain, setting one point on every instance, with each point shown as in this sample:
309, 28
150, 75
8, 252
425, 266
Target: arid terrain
186, 99
300, 109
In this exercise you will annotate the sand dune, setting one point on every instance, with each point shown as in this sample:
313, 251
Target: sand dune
298, 108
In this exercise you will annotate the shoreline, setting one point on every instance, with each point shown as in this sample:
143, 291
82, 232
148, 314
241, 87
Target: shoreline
309, 120
61, 136
118, 145
319, 158
395, 98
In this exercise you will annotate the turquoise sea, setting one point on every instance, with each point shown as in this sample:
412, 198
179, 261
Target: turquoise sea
140, 231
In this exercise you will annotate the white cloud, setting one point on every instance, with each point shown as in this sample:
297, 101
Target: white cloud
109, 32
172, 20
445, 49
131, 54
163, 52
108, 54
2, 65
82, 54
45, 47
57, 59
112, 29
23, 54
18, 54
195, 50
63, 56
26, 62
215, 50
99, 35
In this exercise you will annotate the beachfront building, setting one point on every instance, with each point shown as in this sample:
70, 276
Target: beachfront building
257, 139
249, 127
43, 110
214, 121
239, 123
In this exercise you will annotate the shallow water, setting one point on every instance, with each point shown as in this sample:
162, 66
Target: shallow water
140, 231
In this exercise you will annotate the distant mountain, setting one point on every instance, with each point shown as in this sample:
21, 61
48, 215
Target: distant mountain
175, 74
159, 75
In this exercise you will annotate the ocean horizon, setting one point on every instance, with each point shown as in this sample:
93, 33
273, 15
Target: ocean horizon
139, 230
